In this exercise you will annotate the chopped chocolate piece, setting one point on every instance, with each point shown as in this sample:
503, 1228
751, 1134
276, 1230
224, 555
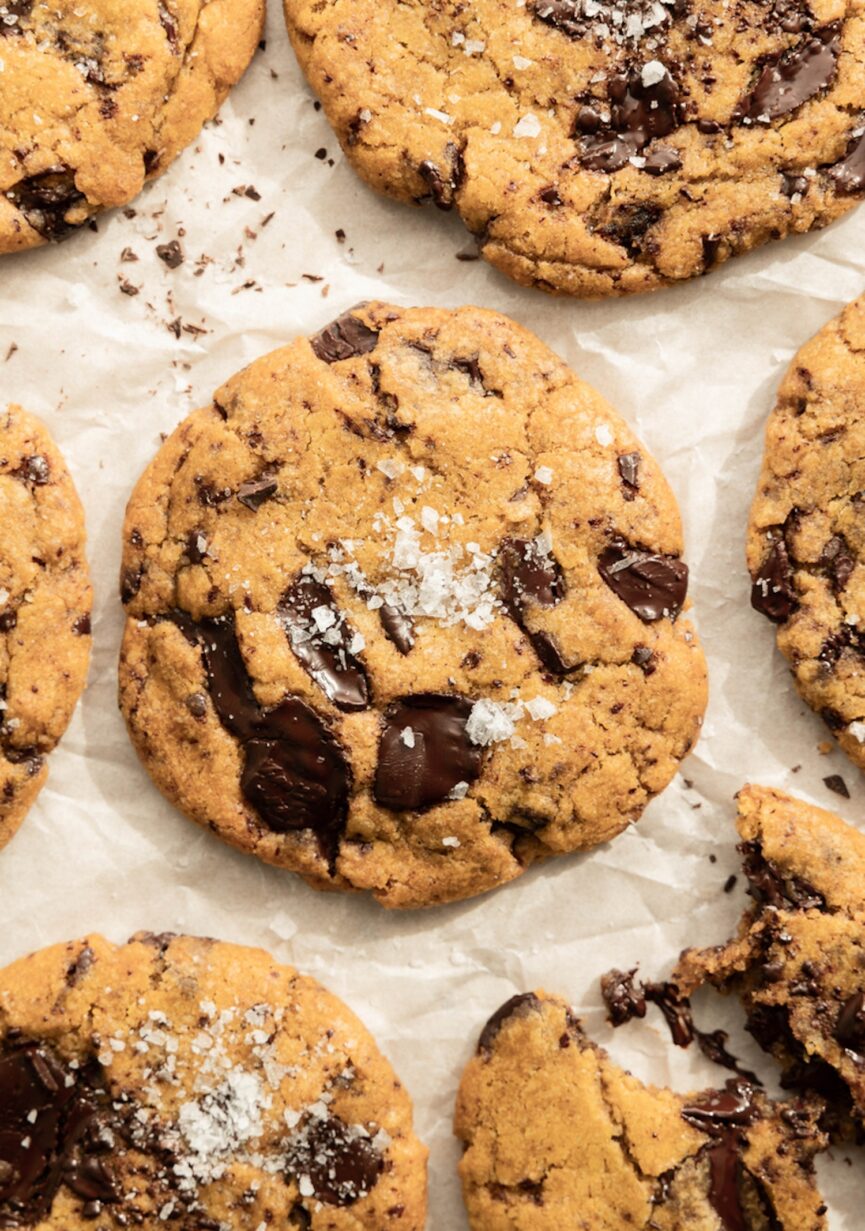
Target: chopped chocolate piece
770, 887
46, 199
398, 627
629, 472
517, 1006
638, 114
850, 1026
716, 1111
424, 751
848, 175
341, 1165
652, 585
622, 999
321, 640
836, 783
255, 492
171, 253
531, 577
344, 339
792, 77
773, 593
35, 470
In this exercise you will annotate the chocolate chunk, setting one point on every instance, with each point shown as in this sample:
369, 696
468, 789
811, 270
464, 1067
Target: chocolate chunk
848, 175
838, 561
46, 199
716, 1111
11, 13
531, 577
398, 627
8, 620
444, 184
629, 472
623, 1000
773, 593
255, 492
769, 886
344, 339
850, 1026
629, 225
438, 756
341, 1165
638, 114
35, 470
518, 1006
725, 1183
295, 774
793, 185
81, 625
652, 585
52, 1132
196, 546
320, 638
169, 24
643, 657
676, 1009
661, 160
837, 784
792, 77
171, 254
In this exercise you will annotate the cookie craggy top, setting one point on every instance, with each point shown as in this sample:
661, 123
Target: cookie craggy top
45, 600
556, 1135
806, 538
188, 1083
98, 95
604, 147
403, 610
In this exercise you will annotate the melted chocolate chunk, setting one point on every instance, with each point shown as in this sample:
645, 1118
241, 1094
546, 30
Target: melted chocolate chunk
518, 1006
629, 473
638, 114
629, 225
850, 1026
424, 772
769, 886
54, 1130
530, 577
320, 638
661, 160
444, 184
256, 492
344, 339
848, 175
46, 199
341, 1164
792, 77
652, 585
773, 593
398, 627
295, 774
716, 1111
623, 1000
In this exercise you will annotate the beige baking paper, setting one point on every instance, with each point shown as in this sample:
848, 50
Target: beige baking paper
693, 370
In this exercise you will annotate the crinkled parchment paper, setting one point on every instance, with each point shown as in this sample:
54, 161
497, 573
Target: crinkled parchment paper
694, 370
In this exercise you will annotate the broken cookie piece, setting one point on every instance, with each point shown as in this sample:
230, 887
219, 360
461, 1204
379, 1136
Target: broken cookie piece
556, 1136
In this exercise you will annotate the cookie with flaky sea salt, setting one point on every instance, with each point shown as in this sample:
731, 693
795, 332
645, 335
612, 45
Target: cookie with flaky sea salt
45, 601
556, 1135
806, 539
599, 147
177, 1082
403, 610
98, 97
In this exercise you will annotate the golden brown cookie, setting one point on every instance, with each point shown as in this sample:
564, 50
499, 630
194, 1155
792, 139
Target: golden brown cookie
806, 539
558, 1136
98, 96
797, 963
187, 1083
45, 600
403, 610
599, 147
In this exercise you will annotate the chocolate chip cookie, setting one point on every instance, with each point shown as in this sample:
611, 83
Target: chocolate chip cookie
98, 97
403, 610
797, 963
45, 601
599, 147
187, 1083
558, 1136
807, 533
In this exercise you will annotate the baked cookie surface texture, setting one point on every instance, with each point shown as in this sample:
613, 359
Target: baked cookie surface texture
98, 96
403, 610
599, 148
187, 1083
45, 601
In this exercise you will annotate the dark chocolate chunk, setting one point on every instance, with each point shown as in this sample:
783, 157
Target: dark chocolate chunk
790, 78
46, 199
661, 160
344, 339
81, 625
530, 577
398, 627
848, 175
444, 184
518, 1006
439, 756
769, 886
623, 1000
652, 585
320, 637
773, 593
676, 1009
629, 225
341, 1165
716, 1111
838, 561
850, 1026
255, 492
638, 114
169, 24
629, 473
35, 470
171, 253
836, 783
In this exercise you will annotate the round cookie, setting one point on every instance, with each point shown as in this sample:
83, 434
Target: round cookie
557, 1136
199, 1085
599, 148
403, 610
99, 96
45, 600
806, 538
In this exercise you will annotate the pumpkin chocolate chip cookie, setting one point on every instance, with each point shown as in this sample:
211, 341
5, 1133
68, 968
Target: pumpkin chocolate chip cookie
404, 610
556, 1135
599, 147
192, 1084
96, 97
45, 601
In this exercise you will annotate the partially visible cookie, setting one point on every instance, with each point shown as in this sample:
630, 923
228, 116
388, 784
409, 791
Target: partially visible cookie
404, 610
195, 1085
45, 600
806, 539
798, 962
599, 147
556, 1136
97, 97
